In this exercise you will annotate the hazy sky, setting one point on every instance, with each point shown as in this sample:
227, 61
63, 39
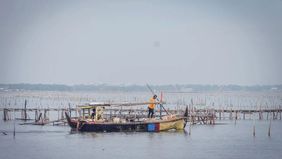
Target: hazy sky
126, 42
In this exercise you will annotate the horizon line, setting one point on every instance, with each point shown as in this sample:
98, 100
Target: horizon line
131, 84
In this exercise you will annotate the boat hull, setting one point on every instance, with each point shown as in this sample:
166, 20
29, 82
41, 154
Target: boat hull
177, 124
146, 126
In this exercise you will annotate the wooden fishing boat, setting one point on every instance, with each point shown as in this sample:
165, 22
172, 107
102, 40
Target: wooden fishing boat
98, 123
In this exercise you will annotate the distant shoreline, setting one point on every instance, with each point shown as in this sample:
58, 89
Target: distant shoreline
173, 88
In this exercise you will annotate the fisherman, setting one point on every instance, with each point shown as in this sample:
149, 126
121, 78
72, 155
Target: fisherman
151, 106
93, 113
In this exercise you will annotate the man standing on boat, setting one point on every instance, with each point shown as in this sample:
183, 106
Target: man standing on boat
93, 113
151, 106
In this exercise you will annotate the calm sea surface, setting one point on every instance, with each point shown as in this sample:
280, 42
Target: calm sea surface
226, 139
218, 141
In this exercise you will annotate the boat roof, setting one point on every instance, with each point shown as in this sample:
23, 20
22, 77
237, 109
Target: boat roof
103, 104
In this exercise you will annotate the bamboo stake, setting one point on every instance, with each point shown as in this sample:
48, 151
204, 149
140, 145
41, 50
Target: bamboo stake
5, 114
70, 109
254, 126
25, 114
269, 128
14, 133
190, 125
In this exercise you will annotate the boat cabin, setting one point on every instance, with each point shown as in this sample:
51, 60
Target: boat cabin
92, 111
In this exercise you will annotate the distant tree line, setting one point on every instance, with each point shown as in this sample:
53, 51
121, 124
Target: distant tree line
167, 88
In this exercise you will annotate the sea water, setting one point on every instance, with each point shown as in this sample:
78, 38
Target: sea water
226, 139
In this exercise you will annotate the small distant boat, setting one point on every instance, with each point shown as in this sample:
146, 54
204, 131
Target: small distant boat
99, 124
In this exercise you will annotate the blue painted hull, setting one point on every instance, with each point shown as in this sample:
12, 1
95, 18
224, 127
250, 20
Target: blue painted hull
157, 126
114, 127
